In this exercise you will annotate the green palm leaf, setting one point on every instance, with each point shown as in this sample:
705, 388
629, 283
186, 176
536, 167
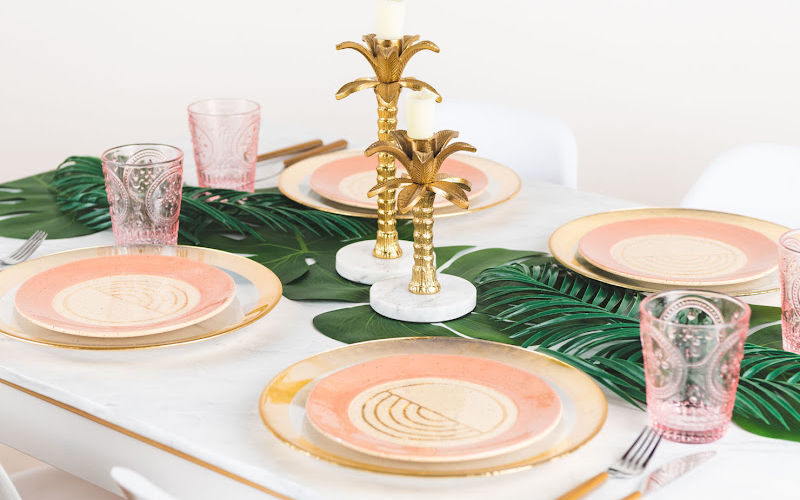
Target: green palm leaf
80, 191
595, 328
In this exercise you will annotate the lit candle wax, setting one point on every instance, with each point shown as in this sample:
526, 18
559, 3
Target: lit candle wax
419, 114
391, 15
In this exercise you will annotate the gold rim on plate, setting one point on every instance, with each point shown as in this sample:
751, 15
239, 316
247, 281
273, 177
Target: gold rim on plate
258, 290
294, 183
282, 405
564, 247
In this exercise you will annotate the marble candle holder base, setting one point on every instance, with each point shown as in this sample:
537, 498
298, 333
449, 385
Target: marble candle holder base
392, 299
356, 262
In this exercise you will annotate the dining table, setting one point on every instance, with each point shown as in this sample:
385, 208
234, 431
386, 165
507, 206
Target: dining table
186, 416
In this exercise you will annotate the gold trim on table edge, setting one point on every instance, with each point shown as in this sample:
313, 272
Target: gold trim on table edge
371, 214
489, 471
251, 317
573, 263
144, 439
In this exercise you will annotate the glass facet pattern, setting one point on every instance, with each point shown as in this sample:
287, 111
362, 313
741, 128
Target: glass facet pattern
143, 184
693, 345
225, 141
789, 265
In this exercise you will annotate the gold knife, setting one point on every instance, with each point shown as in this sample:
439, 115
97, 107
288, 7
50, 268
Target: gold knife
670, 471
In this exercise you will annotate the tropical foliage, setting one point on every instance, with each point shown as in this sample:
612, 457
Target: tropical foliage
524, 298
595, 327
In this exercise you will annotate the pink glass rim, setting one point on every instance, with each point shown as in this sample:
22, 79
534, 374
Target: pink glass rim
254, 107
644, 311
790, 234
107, 159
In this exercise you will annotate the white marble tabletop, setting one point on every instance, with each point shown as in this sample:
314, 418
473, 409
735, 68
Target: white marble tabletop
201, 398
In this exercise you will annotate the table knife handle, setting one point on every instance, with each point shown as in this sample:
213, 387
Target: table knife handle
585, 487
633, 496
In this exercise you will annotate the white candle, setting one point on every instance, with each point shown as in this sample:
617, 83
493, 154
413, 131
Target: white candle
419, 114
391, 15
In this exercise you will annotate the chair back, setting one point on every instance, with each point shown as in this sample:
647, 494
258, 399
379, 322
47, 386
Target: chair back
7, 489
535, 145
757, 180
134, 486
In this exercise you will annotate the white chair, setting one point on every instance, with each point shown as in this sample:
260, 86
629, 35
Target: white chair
535, 145
758, 180
7, 489
49, 483
136, 487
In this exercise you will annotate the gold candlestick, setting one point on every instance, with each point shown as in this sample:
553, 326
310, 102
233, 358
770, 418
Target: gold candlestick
388, 59
422, 158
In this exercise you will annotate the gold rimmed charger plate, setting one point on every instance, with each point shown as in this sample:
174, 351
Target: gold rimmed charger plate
282, 405
258, 290
295, 184
564, 247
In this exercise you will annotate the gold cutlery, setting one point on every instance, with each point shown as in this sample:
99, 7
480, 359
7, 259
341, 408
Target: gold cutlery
631, 463
669, 472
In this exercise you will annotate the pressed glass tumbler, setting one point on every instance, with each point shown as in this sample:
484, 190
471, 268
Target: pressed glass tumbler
693, 344
790, 289
225, 140
143, 184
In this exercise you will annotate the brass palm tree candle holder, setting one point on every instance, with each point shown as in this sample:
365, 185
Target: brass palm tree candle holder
428, 300
423, 158
388, 59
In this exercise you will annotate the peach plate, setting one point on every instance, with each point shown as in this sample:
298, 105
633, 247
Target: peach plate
283, 405
680, 251
295, 183
433, 407
124, 295
347, 180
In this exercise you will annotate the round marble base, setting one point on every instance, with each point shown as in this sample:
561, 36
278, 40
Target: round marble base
392, 299
355, 262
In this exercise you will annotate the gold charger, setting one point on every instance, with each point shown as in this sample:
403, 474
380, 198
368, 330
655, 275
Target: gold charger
258, 290
295, 184
564, 247
282, 405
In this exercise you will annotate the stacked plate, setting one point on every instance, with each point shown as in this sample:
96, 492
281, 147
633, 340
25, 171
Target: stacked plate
433, 406
658, 249
338, 183
125, 297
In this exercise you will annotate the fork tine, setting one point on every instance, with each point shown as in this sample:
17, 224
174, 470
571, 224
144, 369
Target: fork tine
30, 246
648, 449
652, 451
40, 237
625, 456
32, 242
642, 450
22, 249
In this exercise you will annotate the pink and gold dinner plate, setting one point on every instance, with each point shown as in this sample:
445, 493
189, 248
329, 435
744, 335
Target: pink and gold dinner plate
124, 295
680, 251
347, 180
433, 407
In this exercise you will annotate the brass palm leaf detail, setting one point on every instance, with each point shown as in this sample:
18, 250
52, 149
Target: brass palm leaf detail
422, 158
388, 59
423, 169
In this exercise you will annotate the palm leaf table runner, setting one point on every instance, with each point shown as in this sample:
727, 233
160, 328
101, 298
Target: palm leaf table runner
524, 297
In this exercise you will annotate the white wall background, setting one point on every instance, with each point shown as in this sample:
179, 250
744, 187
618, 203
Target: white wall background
653, 89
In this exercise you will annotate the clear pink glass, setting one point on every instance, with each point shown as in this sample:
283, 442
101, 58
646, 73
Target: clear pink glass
225, 140
789, 263
693, 344
143, 184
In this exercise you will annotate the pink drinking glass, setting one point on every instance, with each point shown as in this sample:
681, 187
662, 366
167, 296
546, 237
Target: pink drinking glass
789, 263
693, 344
144, 184
225, 140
